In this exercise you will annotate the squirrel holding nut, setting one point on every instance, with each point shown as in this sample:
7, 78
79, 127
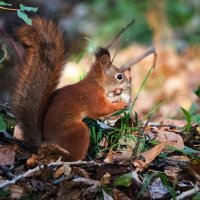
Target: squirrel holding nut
54, 116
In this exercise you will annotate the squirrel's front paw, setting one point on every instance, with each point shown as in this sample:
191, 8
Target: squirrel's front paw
120, 105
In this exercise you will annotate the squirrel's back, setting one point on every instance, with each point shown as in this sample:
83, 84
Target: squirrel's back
38, 76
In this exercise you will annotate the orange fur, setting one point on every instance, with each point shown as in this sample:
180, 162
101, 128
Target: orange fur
56, 117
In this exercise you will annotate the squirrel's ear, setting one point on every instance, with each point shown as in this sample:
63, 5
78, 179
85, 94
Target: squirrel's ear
105, 60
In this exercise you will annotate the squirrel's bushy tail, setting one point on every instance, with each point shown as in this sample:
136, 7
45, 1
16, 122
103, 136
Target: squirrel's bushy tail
38, 76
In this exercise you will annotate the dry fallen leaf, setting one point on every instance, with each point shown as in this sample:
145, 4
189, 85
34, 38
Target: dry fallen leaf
58, 172
172, 171
51, 153
17, 192
172, 139
64, 169
144, 159
105, 179
178, 160
7, 155
80, 172
109, 158
119, 195
71, 190
32, 161
67, 169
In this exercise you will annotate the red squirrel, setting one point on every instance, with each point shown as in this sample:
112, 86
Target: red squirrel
54, 116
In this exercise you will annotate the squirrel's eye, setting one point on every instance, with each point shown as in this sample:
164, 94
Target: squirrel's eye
119, 76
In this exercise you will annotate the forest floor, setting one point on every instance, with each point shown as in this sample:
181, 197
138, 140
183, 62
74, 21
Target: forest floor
152, 153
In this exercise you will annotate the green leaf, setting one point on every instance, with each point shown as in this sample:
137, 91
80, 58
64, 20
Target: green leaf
146, 182
124, 180
165, 182
196, 118
197, 196
188, 150
27, 8
197, 91
2, 124
24, 17
119, 112
2, 3
188, 118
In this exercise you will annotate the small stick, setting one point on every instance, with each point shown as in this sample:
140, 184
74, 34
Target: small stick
139, 58
188, 193
36, 169
118, 34
95, 185
4, 106
11, 9
5, 109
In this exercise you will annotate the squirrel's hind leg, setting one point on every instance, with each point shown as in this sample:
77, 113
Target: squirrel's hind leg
74, 137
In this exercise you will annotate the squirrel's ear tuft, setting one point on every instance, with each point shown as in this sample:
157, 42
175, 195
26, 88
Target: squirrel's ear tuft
103, 56
101, 51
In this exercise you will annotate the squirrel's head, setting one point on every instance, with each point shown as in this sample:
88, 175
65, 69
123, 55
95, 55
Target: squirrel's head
111, 76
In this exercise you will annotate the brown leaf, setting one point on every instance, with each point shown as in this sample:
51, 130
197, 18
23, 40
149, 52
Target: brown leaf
51, 153
105, 179
178, 160
32, 161
59, 172
80, 172
119, 195
7, 155
109, 158
113, 169
71, 190
17, 191
148, 156
172, 171
172, 139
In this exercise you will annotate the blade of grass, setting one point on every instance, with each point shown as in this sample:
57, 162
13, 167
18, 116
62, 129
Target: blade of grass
141, 87
146, 181
188, 118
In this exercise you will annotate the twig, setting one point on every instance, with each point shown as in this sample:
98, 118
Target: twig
14, 180
57, 163
187, 193
5, 106
65, 178
118, 34
5, 109
139, 58
94, 184
80, 162
11, 9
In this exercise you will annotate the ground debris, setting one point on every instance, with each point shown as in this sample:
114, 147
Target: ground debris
161, 169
